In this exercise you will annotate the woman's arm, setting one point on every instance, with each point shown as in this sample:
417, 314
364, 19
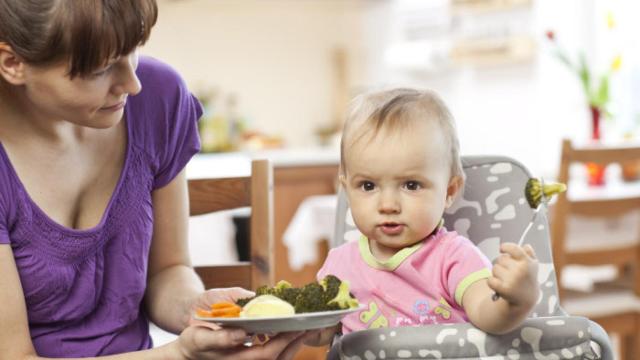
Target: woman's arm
172, 284
514, 278
15, 340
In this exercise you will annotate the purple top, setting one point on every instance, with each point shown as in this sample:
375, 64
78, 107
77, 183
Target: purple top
84, 288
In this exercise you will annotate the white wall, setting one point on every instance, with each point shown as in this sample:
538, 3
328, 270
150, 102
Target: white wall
521, 110
276, 55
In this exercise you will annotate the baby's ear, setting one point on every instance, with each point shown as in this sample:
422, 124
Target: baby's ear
342, 179
456, 183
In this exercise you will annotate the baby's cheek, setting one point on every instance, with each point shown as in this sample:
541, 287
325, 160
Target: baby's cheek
362, 215
426, 225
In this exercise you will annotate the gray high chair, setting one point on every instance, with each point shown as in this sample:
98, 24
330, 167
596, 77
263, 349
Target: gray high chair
491, 210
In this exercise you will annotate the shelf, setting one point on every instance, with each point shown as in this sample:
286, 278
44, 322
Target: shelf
463, 7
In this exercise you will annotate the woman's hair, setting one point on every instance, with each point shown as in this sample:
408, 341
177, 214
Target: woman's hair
398, 108
86, 33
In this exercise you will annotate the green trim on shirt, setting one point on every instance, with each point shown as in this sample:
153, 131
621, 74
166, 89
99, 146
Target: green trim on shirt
390, 264
468, 280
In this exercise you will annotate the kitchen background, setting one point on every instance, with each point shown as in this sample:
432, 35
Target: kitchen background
291, 65
278, 74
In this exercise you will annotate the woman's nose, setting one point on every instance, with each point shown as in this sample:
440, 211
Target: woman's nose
127, 81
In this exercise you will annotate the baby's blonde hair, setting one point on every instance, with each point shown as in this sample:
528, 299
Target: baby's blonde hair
396, 108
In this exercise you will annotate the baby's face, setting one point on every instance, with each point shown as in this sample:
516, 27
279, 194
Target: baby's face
397, 185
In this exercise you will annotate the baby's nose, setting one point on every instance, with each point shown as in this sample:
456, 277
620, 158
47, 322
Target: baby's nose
388, 203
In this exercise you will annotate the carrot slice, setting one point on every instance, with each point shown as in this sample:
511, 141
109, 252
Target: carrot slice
204, 313
222, 305
226, 312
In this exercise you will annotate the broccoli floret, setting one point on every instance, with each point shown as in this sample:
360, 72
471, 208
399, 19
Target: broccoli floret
282, 285
264, 290
343, 299
285, 291
328, 294
310, 299
244, 301
534, 189
331, 286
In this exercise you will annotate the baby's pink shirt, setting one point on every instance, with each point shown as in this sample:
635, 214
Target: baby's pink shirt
422, 284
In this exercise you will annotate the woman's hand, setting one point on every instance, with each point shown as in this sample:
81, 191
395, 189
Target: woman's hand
203, 342
208, 297
204, 300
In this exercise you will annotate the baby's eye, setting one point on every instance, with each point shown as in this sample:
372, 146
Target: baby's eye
367, 186
412, 185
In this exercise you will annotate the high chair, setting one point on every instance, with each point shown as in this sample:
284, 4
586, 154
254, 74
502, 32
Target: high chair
256, 191
491, 210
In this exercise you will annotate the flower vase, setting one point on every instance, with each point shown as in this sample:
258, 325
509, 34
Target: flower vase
595, 172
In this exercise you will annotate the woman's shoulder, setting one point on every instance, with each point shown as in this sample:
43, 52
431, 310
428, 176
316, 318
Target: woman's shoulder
154, 72
163, 118
7, 203
160, 83
164, 101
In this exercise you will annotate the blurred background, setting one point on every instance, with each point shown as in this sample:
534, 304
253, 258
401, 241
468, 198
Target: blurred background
290, 66
519, 76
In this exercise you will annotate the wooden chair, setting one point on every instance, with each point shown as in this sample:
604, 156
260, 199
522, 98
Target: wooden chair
615, 306
256, 191
600, 204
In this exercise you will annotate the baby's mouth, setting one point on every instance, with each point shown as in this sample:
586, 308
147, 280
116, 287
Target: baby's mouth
391, 228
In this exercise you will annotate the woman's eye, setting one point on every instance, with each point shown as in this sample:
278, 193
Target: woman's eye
367, 186
102, 72
412, 185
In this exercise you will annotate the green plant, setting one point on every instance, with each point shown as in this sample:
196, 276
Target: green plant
595, 86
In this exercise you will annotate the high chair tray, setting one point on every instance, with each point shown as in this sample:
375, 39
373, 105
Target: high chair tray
296, 322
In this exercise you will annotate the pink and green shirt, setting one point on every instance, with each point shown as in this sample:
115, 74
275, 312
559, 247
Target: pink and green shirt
421, 284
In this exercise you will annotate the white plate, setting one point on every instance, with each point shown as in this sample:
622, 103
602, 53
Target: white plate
296, 322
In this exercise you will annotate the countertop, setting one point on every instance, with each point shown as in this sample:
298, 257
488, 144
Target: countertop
233, 164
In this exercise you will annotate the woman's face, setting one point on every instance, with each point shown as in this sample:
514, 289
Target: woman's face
96, 100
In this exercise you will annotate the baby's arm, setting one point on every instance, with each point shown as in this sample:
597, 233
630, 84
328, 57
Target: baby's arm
514, 277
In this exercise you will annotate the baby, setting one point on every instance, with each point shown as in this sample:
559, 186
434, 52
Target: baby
400, 168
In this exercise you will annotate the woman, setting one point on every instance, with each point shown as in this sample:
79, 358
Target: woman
93, 196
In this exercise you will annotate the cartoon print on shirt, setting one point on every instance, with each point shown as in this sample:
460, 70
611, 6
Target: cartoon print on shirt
421, 307
424, 314
443, 309
367, 315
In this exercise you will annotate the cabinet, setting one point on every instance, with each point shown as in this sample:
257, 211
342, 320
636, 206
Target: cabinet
292, 185
297, 174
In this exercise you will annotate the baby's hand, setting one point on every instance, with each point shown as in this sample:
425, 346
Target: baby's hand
515, 274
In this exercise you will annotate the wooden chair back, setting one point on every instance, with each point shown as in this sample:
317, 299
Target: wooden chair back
622, 315
255, 191
598, 206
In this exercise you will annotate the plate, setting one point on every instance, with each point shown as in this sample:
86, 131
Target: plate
296, 322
